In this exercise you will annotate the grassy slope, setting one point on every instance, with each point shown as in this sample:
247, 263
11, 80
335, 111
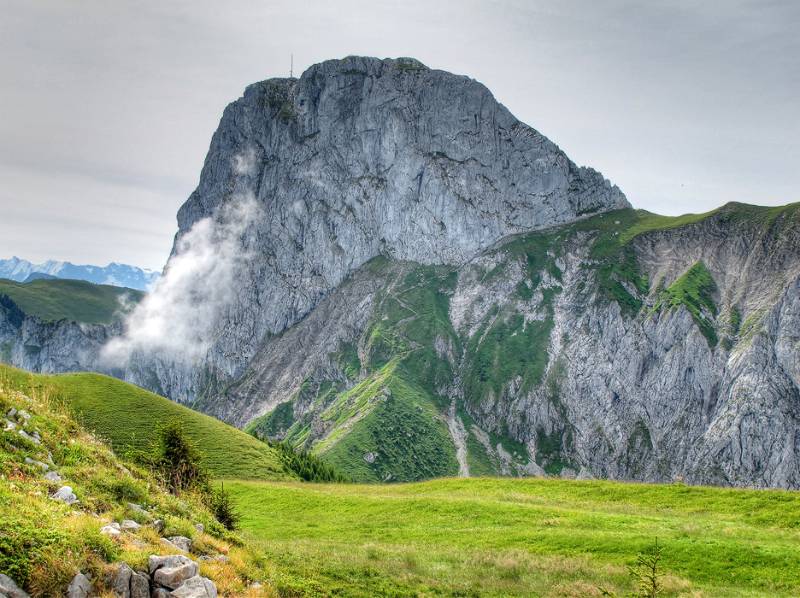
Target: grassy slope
44, 543
76, 300
129, 417
522, 537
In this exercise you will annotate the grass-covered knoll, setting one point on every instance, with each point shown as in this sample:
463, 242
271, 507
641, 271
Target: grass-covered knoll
493, 537
129, 418
695, 289
44, 542
55, 299
385, 422
402, 438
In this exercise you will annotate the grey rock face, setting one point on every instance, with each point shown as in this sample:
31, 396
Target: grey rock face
361, 157
50, 347
10, 589
121, 583
139, 586
79, 587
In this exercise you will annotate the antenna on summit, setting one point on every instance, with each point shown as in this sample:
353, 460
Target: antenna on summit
291, 66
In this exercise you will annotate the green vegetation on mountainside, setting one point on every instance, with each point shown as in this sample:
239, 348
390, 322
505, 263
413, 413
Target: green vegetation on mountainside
388, 424
491, 537
411, 352
52, 300
130, 417
694, 290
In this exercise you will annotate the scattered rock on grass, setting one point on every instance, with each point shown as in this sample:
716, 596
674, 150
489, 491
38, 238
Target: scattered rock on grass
10, 589
171, 571
79, 587
39, 464
182, 542
129, 525
52, 476
27, 436
66, 495
196, 587
112, 529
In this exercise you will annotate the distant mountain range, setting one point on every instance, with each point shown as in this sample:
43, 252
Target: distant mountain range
120, 275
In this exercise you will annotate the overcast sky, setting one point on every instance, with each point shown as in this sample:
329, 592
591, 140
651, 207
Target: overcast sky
108, 107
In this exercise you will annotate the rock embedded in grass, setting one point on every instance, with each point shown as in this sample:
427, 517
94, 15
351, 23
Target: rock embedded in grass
129, 525
182, 542
196, 587
112, 529
52, 476
39, 464
172, 570
9, 588
65, 495
79, 587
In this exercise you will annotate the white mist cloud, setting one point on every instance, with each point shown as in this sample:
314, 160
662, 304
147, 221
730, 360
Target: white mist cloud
177, 318
245, 163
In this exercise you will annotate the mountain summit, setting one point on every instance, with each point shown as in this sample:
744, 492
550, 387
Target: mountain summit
359, 158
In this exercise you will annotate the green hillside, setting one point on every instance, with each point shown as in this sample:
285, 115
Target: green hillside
53, 300
129, 418
534, 537
45, 542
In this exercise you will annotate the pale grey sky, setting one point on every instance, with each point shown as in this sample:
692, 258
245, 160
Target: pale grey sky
108, 107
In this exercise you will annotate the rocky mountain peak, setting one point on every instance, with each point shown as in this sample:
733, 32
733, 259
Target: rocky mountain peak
357, 158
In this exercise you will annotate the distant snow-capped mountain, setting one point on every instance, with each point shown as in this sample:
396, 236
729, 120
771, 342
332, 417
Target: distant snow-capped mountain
121, 275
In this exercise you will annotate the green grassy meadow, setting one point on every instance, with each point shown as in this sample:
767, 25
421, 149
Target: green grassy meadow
128, 417
53, 300
520, 537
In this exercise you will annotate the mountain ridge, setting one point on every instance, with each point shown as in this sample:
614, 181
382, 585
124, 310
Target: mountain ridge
115, 274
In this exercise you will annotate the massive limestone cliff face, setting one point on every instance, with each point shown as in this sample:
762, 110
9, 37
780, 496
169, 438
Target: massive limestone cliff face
364, 157
627, 346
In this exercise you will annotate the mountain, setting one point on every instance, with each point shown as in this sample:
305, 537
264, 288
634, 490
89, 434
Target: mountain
308, 179
121, 275
382, 265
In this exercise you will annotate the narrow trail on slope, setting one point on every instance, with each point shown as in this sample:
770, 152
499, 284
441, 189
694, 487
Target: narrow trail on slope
459, 434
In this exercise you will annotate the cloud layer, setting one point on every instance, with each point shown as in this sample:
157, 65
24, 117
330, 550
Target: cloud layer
176, 319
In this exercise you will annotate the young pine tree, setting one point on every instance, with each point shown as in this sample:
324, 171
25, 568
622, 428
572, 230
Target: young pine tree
178, 460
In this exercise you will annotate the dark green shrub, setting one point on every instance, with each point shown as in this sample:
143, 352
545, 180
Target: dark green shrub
223, 508
178, 461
